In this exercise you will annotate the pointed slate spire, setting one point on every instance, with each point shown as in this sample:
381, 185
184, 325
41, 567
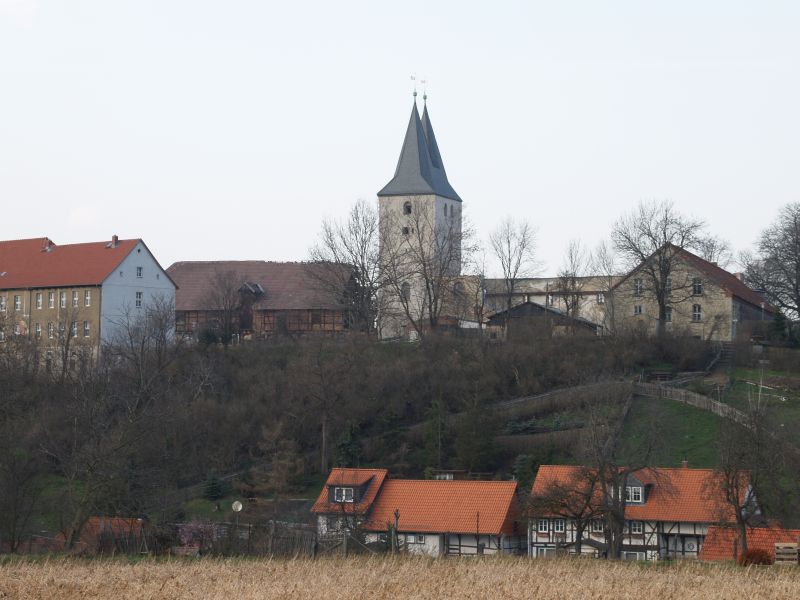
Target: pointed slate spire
440, 176
416, 172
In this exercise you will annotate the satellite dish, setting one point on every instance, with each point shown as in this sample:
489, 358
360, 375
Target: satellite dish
236, 506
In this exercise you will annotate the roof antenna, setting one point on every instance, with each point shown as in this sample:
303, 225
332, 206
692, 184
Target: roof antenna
414, 79
424, 91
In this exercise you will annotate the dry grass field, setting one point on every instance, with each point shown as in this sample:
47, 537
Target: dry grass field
357, 578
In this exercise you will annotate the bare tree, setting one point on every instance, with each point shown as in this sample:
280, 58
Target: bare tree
421, 267
776, 269
650, 238
347, 263
514, 247
572, 278
715, 250
224, 298
604, 265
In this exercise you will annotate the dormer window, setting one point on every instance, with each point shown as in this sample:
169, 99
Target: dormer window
634, 494
343, 494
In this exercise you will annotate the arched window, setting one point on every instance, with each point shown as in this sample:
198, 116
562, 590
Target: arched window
407, 208
405, 290
445, 210
458, 289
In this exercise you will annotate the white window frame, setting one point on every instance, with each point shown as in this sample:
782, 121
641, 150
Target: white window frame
697, 313
37, 329
633, 493
668, 286
50, 330
17, 302
86, 329
697, 286
559, 525
87, 297
75, 297
637, 310
62, 299
38, 300
73, 328
139, 297
420, 538
51, 299
601, 298
636, 527
2, 304
343, 494
597, 526
543, 526
638, 287
139, 272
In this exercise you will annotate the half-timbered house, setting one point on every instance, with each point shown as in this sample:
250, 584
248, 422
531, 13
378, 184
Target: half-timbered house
668, 512
431, 517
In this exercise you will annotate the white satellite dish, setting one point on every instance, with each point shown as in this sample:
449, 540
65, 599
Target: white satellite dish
236, 506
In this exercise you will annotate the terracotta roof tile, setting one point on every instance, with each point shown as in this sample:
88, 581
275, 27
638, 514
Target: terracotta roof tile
26, 263
430, 506
350, 477
287, 286
673, 494
721, 542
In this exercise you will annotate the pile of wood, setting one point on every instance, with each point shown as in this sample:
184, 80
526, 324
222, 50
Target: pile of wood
786, 553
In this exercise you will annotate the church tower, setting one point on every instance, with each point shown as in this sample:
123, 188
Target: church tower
420, 222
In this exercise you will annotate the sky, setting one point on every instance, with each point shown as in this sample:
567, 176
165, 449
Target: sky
230, 130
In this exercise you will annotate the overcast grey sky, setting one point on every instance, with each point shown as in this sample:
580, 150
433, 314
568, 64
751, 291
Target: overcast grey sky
230, 129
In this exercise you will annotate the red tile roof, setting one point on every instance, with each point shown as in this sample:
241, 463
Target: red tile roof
95, 527
26, 263
673, 494
430, 506
287, 286
350, 477
721, 542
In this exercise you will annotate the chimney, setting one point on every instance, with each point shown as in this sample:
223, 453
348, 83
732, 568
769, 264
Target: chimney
685, 463
47, 245
114, 241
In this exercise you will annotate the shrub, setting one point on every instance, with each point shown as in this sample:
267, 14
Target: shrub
755, 556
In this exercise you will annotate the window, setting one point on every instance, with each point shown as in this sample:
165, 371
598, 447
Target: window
74, 298
411, 538
668, 286
406, 231
697, 287
16, 329
86, 329
37, 328
550, 299
697, 313
61, 330
633, 494
73, 328
637, 309
445, 210
558, 525
601, 298
138, 299
636, 527
543, 526
2, 304
405, 291
139, 272
17, 302
407, 208
62, 299
638, 287
668, 315
597, 526
87, 298
420, 538
343, 494
50, 330
51, 299
39, 300
48, 360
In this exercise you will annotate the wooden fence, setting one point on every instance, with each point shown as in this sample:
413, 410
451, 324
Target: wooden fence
692, 399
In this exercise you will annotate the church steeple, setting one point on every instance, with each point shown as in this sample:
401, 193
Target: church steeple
419, 170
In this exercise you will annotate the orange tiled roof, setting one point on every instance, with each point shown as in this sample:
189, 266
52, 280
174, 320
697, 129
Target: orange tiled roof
26, 263
721, 542
430, 506
119, 527
674, 494
350, 477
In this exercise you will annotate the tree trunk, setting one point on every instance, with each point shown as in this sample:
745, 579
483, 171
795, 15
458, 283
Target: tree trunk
323, 450
742, 527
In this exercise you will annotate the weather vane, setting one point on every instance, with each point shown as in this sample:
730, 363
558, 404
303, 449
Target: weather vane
414, 79
424, 90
